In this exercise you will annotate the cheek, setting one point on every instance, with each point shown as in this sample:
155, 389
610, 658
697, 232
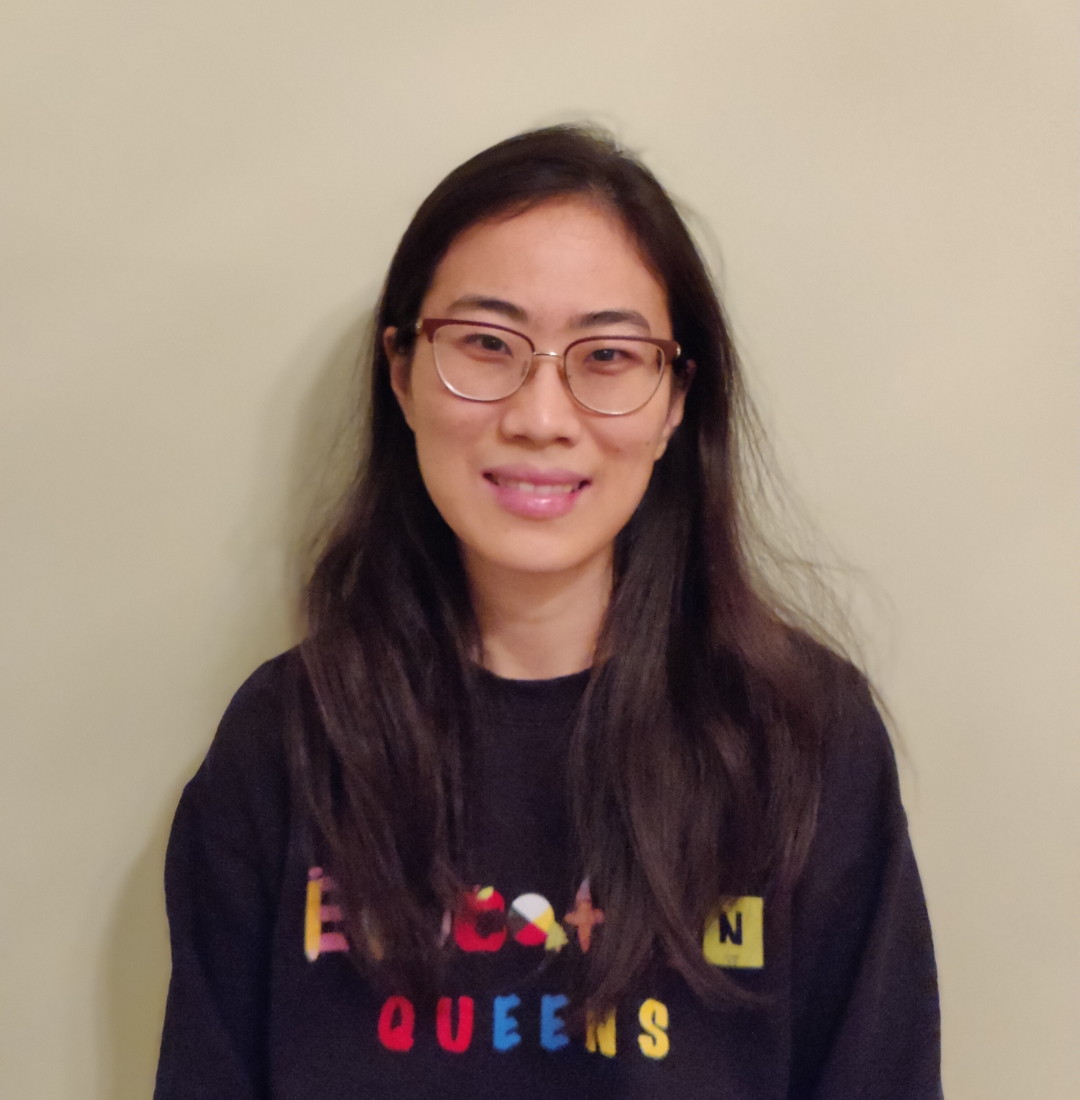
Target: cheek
446, 446
629, 447
629, 461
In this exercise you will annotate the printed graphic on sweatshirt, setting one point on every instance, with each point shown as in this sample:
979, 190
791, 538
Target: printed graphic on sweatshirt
735, 937
458, 1020
322, 917
485, 924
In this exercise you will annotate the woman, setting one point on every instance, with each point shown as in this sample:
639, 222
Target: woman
551, 799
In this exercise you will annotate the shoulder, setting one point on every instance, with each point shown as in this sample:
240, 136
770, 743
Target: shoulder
859, 777
863, 977
853, 753
251, 735
240, 794
856, 808
860, 822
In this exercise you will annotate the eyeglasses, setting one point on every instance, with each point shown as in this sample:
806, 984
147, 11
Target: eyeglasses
613, 375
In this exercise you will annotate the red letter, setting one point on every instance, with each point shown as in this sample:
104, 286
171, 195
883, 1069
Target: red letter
398, 1035
456, 1044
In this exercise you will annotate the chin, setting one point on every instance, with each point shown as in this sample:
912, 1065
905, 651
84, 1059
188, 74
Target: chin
530, 556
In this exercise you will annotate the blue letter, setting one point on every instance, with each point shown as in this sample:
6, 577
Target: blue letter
552, 1036
504, 1032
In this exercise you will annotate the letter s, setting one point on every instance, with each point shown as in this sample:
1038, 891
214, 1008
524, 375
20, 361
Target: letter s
653, 1040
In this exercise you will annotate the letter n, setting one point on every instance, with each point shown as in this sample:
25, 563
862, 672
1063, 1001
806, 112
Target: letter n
601, 1035
735, 935
727, 933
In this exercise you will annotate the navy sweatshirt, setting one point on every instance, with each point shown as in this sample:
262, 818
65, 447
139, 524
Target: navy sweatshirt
264, 1003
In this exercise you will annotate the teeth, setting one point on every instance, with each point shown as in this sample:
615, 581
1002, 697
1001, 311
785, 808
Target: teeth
542, 490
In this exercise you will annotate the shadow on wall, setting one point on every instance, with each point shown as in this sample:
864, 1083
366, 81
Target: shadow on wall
136, 973
327, 444
319, 407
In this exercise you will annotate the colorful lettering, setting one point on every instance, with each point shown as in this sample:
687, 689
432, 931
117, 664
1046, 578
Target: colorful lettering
734, 936
552, 1028
504, 1028
459, 1043
556, 938
583, 916
318, 913
653, 1040
312, 923
480, 925
397, 1026
601, 1035
727, 933
530, 919
397, 1021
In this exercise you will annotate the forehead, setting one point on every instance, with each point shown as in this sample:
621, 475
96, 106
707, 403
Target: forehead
564, 257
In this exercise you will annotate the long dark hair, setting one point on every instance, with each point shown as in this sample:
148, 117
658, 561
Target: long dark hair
704, 705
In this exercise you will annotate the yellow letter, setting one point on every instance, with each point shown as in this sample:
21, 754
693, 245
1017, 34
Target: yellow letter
601, 1034
653, 1018
313, 915
734, 935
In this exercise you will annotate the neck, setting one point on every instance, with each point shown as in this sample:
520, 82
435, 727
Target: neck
536, 626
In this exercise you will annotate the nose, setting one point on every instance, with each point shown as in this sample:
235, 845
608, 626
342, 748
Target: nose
542, 411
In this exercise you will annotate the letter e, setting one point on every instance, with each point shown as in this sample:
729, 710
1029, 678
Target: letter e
504, 1028
552, 1033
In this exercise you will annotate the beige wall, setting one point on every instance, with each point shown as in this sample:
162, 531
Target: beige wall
197, 202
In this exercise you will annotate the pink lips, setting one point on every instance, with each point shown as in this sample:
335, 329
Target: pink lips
535, 494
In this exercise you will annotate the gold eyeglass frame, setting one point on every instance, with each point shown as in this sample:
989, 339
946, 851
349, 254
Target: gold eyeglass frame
428, 326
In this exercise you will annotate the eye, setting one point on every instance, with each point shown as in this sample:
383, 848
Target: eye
611, 356
486, 342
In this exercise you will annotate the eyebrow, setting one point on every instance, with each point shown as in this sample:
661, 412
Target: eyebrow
516, 313
490, 305
612, 317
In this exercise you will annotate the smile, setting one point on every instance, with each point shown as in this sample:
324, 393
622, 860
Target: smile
535, 494
534, 487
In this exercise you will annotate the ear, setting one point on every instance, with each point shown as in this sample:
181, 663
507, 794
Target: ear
400, 373
676, 407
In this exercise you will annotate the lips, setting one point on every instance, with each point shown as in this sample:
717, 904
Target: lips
533, 493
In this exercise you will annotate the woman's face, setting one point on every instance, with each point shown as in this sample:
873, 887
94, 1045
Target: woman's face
534, 483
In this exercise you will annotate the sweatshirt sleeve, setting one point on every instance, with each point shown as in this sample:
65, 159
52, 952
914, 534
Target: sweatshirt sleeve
867, 1022
222, 879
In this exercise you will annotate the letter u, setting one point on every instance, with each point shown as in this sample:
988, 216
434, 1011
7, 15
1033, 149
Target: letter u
459, 1043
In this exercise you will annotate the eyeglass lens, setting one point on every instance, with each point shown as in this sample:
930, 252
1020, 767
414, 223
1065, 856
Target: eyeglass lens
607, 374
